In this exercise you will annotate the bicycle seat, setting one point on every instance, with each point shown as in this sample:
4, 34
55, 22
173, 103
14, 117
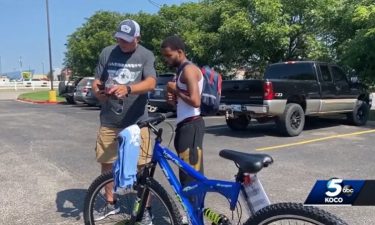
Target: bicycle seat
249, 163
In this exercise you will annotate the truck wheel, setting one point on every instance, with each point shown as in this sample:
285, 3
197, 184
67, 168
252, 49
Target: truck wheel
291, 123
151, 108
360, 113
239, 123
70, 100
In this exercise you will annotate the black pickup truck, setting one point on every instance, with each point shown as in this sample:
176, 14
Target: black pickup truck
292, 90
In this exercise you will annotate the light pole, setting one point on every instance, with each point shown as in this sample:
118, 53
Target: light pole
52, 93
49, 46
20, 61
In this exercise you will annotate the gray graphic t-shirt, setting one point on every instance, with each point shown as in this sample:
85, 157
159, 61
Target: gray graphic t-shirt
124, 68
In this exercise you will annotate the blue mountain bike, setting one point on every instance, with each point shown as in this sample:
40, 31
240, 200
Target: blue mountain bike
245, 195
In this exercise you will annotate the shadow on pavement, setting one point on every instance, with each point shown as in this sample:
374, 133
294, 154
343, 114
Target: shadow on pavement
70, 202
256, 129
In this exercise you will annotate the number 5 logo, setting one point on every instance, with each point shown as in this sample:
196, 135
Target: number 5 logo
334, 187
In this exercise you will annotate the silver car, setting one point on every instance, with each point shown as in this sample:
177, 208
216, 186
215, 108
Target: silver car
84, 94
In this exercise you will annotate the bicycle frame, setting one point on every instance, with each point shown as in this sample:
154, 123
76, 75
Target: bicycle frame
196, 190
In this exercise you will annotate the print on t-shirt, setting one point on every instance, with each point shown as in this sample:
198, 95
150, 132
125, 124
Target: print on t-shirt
124, 73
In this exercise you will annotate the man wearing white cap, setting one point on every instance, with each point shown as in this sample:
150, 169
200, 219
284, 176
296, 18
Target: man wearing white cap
123, 76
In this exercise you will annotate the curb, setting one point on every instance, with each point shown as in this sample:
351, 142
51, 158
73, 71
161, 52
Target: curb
38, 101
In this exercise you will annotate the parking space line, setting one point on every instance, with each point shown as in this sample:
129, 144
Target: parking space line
315, 140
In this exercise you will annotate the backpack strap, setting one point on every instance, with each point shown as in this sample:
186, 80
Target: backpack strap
181, 67
178, 73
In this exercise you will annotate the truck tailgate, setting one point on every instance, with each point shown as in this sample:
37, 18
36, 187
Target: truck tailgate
242, 92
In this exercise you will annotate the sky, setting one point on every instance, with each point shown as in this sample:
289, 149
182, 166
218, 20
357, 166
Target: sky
24, 35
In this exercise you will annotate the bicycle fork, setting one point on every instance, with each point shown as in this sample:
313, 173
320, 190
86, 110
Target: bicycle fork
142, 194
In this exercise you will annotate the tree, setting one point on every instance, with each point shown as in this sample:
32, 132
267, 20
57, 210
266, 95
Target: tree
358, 50
86, 43
246, 34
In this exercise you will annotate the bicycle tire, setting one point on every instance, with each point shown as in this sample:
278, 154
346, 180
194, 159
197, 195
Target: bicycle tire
155, 188
289, 211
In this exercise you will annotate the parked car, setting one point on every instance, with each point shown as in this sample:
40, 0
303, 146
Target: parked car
292, 90
83, 92
67, 88
156, 98
35, 82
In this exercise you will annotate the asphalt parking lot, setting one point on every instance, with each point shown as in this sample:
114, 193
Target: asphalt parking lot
48, 160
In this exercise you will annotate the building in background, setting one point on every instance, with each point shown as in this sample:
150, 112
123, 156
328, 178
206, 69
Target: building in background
30, 74
4, 80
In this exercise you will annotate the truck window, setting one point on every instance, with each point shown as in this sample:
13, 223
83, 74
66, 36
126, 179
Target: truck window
293, 71
338, 74
326, 75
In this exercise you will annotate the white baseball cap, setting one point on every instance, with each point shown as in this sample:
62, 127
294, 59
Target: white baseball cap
128, 30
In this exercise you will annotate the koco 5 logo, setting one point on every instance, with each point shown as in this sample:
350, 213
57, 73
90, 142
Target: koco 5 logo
334, 189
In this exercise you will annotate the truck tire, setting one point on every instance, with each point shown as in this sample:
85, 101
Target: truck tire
70, 100
360, 114
291, 123
239, 123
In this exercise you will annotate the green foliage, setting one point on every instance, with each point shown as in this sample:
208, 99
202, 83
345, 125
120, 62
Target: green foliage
356, 48
247, 34
86, 43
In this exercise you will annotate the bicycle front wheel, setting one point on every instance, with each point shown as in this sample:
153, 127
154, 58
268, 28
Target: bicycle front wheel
293, 213
163, 209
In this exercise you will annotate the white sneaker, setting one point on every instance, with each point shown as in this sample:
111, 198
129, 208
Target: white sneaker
185, 220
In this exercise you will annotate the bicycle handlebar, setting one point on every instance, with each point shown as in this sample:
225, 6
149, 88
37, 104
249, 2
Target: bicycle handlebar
154, 120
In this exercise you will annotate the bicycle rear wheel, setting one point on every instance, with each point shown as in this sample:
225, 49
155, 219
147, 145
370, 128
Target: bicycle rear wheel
293, 213
163, 209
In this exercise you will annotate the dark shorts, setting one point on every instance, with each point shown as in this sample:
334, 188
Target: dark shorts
188, 143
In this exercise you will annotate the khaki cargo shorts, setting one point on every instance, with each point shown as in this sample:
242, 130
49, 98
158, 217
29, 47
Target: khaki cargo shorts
106, 145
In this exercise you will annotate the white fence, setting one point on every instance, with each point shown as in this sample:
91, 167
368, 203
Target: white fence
15, 85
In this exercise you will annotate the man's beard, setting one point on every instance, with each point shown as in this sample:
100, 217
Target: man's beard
173, 65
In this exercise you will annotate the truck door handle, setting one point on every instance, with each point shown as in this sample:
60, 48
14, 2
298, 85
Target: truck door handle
236, 87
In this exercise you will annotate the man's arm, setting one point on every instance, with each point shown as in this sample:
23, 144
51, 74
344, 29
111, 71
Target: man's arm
190, 77
98, 91
97, 85
147, 84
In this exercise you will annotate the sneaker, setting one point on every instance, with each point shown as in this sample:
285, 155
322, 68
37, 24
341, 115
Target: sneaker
185, 220
146, 218
106, 211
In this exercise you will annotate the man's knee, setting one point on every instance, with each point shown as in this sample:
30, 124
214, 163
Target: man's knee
106, 167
